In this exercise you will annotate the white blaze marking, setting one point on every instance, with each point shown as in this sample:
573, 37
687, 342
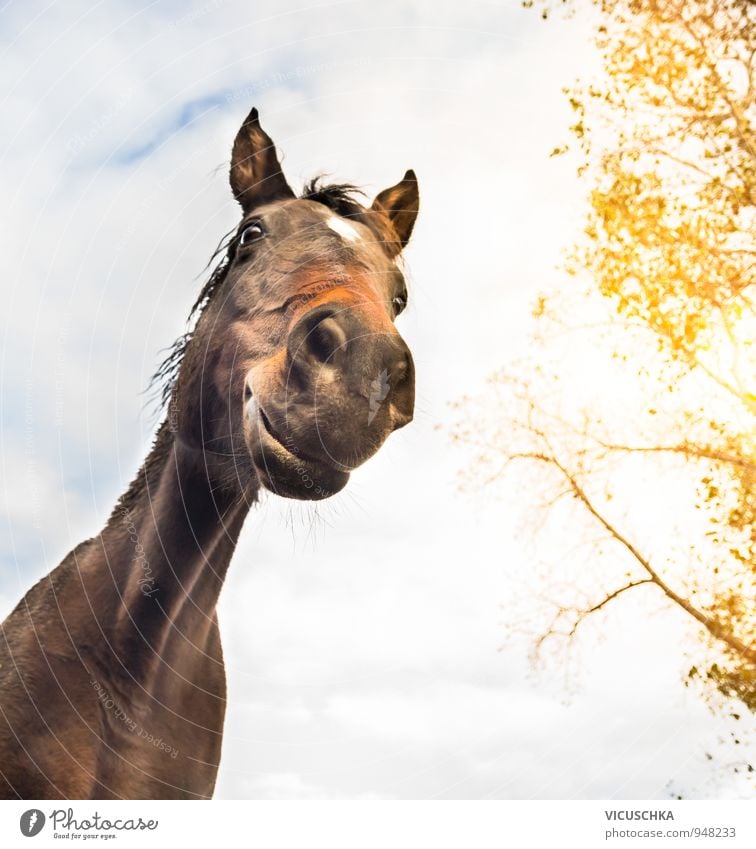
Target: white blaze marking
343, 228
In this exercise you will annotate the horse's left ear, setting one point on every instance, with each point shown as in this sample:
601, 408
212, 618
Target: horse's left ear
400, 205
256, 175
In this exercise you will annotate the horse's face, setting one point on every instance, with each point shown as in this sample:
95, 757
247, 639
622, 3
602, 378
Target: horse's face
302, 363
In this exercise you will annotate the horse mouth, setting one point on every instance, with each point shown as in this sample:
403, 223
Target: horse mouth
284, 470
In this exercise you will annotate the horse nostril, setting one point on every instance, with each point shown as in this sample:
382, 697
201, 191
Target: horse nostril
323, 340
399, 364
247, 392
402, 379
400, 371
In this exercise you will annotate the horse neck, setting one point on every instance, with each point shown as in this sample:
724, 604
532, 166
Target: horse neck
167, 547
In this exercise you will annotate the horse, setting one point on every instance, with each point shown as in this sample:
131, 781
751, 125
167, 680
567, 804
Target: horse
112, 681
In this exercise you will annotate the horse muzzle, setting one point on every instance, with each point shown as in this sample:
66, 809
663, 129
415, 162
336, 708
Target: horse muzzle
342, 390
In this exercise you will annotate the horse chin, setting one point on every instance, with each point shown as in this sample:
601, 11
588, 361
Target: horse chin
287, 474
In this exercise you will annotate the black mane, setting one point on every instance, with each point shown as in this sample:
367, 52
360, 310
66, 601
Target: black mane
162, 381
340, 197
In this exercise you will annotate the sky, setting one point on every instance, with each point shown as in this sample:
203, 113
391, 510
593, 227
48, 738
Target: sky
365, 636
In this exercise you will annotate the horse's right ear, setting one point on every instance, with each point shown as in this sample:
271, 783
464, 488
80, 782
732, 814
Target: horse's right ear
400, 204
256, 175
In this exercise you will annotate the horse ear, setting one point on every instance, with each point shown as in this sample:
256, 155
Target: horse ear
400, 205
256, 175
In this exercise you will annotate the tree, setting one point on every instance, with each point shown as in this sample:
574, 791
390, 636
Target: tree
666, 140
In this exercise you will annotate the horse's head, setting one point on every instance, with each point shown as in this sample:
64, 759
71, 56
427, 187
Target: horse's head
295, 368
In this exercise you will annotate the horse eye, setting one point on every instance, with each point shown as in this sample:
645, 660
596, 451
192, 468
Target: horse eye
251, 233
399, 302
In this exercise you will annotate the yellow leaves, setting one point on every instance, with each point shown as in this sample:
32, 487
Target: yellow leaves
539, 308
662, 247
668, 143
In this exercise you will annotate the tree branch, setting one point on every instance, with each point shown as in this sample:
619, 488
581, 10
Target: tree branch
584, 614
685, 449
715, 628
